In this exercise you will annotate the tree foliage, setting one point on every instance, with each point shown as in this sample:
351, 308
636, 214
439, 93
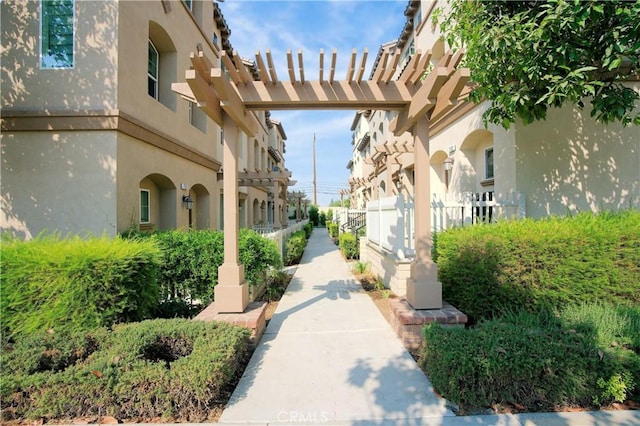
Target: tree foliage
528, 56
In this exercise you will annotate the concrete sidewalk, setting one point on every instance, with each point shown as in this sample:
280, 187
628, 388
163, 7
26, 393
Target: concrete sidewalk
328, 356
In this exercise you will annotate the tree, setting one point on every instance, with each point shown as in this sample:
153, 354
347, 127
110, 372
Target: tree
528, 56
313, 215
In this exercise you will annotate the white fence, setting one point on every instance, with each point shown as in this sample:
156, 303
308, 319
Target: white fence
281, 236
470, 208
390, 223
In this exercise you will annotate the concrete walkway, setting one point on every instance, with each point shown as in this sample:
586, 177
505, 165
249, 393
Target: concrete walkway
328, 356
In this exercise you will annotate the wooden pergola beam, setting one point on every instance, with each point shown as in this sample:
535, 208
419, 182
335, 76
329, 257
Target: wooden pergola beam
232, 104
423, 100
337, 95
332, 72
363, 63
272, 68
285, 174
262, 69
449, 93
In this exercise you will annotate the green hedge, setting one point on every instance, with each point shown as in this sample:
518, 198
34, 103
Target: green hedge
308, 229
533, 264
587, 357
176, 369
334, 230
76, 284
295, 247
189, 270
349, 246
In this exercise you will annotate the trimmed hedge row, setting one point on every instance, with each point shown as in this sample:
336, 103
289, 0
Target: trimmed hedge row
349, 246
79, 284
588, 357
294, 249
189, 270
76, 284
162, 368
535, 264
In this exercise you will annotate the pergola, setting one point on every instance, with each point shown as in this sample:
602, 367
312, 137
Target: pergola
420, 93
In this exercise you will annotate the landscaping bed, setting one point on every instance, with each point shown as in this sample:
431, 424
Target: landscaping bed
555, 315
156, 370
97, 362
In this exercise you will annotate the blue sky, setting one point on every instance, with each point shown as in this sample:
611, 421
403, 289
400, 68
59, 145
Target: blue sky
312, 26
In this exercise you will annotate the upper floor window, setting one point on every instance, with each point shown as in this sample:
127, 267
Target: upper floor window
188, 3
152, 71
57, 33
488, 163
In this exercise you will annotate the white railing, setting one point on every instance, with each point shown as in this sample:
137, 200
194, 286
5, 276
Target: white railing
281, 236
390, 221
469, 208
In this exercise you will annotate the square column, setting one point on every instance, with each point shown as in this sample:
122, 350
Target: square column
231, 295
276, 205
424, 291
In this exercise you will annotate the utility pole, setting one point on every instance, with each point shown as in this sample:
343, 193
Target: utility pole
315, 192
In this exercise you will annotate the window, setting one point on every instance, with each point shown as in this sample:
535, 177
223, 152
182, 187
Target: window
191, 113
144, 206
215, 39
488, 163
56, 34
188, 3
152, 71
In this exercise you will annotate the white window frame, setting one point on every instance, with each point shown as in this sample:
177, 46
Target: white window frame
45, 58
148, 205
155, 78
489, 152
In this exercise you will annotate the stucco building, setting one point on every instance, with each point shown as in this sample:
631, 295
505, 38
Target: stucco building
567, 163
94, 139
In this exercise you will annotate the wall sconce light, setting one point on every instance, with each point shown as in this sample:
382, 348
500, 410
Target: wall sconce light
448, 164
187, 202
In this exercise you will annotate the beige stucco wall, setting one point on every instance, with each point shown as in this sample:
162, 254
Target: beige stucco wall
138, 160
26, 87
62, 181
136, 20
570, 163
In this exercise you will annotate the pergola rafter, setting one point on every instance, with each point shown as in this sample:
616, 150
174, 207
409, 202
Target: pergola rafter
419, 94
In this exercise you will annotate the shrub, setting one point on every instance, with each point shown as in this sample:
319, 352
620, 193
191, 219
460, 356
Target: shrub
314, 218
322, 219
159, 368
334, 230
189, 271
308, 229
258, 255
540, 361
544, 263
190, 266
295, 247
361, 267
277, 282
76, 284
349, 246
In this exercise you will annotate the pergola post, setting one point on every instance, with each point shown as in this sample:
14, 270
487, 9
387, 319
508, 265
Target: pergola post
424, 291
276, 205
231, 295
